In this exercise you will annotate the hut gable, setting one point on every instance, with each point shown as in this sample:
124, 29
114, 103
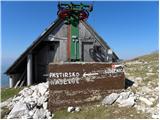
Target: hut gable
51, 47
58, 31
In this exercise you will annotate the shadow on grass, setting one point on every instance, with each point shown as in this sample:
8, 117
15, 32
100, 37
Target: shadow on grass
128, 83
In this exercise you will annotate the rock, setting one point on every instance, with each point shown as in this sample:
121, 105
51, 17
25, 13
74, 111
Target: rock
150, 70
77, 109
47, 93
155, 116
48, 114
26, 92
18, 111
33, 87
145, 62
138, 78
123, 96
5, 103
31, 103
108, 100
150, 74
41, 100
146, 89
127, 102
152, 99
70, 109
42, 89
45, 105
98, 105
149, 103
18, 98
39, 114
31, 113
93, 98
135, 84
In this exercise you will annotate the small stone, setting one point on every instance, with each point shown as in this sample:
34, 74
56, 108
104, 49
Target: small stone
145, 62
152, 100
149, 74
149, 103
98, 105
155, 116
138, 78
77, 109
70, 109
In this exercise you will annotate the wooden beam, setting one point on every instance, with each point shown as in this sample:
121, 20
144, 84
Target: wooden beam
29, 69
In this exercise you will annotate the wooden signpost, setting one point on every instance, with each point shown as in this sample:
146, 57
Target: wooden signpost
79, 83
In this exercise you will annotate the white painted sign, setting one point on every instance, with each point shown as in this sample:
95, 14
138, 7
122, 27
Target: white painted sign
89, 74
64, 75
64, 81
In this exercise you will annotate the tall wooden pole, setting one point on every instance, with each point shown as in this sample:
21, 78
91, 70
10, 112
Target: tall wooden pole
29, 70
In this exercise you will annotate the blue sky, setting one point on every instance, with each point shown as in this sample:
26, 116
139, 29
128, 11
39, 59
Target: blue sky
129, 28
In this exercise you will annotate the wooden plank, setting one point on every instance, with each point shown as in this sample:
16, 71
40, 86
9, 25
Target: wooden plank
76, 83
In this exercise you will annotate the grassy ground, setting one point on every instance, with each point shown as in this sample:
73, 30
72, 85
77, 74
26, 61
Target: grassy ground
9, 92
101, 112
6, 93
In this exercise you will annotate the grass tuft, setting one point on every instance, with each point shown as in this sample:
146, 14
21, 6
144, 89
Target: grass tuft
9, 92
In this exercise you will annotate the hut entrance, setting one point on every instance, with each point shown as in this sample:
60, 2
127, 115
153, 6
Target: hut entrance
44, 55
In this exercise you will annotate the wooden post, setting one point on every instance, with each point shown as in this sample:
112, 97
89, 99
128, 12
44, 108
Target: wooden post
110, 53
29, 69
10, 82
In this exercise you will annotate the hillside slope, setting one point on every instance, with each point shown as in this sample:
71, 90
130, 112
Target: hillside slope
144, 71
141, 80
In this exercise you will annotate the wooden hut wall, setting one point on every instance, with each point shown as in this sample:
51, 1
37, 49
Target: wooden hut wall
92, 50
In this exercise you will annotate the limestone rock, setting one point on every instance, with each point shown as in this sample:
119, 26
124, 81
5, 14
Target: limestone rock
77, 109
31, 113
5, 103
45, 105
127, 102
19, 110
108, 100
70, 109
154, 116
49, 115
138, 78
31, 103
39, 114
42, 89
146, 101
123, 96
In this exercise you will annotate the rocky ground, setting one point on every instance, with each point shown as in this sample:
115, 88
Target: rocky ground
143, 72
140, 99
29, 103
